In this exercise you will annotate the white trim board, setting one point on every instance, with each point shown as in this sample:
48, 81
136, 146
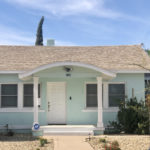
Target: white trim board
11, 72
3, 110
130, 71
112, 71
110, 109
68, 63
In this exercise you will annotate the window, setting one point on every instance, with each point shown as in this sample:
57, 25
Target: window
28, 95
91, 95
116, 94
9, 94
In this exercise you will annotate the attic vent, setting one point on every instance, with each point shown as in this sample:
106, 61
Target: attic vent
50, 42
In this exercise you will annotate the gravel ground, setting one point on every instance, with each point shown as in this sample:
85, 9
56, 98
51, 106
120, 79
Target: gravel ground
23, 142
27, 142
126, 142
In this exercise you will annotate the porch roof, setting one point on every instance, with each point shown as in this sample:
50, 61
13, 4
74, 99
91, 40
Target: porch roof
111, 58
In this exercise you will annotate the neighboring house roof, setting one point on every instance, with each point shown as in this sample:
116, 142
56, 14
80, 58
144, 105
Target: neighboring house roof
114, 58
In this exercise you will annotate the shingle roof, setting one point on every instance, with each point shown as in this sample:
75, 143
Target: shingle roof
22, 58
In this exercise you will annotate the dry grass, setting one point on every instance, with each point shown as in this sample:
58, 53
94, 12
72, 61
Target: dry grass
23, 142
126, 142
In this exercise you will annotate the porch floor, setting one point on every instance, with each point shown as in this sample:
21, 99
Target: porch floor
68, 129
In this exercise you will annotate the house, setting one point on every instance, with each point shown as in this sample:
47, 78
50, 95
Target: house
71, 85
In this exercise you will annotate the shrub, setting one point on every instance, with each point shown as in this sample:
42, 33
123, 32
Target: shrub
113, 128
115, 144
132, 117
43, 142
111, 146
106, 147
102, 140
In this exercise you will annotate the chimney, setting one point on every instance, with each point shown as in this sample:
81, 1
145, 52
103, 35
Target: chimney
50, 42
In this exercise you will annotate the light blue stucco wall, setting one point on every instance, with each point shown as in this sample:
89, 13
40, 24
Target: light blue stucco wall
18, 118
135, 81
75, 89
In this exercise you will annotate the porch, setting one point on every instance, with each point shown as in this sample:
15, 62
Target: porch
60, 106
68, 129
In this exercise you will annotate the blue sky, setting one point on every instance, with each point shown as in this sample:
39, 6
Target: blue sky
76, 22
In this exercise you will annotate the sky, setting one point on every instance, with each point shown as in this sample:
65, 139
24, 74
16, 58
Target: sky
76, 22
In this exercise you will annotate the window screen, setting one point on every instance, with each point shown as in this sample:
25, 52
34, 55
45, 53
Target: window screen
9, 94
28, 95
91, 95
116, 94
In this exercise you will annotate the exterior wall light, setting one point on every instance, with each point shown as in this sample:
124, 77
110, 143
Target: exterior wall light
68, 70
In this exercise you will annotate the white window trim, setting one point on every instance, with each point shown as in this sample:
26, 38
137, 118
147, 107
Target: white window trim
85, 92
108, 93
114, 109
39, 99
19, 107
17, 95
28, 108
20, 93
19, 110
106, 107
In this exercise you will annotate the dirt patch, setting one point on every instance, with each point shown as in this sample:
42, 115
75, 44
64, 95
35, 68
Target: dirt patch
126, 142
24, 142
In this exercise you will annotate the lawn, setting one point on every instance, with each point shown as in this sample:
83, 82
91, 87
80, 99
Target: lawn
24, 142
126, 142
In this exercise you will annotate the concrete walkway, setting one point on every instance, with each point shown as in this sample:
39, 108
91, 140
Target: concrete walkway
71, 143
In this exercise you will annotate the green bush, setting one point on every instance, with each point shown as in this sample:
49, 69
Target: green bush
43, 142
102, 140
113, 128
132, 117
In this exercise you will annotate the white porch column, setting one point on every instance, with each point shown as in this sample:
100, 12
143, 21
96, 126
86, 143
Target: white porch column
105, 95
100, 105
35, 95
20, 95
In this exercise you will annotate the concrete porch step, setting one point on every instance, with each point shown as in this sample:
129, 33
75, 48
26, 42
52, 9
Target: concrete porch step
69, 133
68, 129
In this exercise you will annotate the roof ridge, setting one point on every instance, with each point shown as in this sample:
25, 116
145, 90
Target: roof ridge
71, 46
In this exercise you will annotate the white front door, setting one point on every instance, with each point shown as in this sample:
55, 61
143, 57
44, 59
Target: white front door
56, 98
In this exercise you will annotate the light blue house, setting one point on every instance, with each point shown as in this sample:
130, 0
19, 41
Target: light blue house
68, 85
